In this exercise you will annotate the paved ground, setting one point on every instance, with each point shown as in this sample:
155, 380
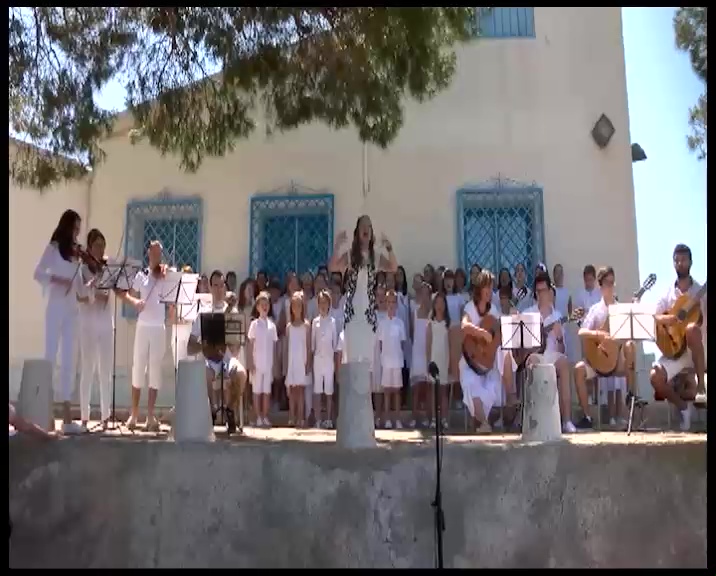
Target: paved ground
311, 435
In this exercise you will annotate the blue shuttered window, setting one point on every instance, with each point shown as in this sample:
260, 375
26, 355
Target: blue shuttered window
175, 222
291, 233
500, 224
506, 22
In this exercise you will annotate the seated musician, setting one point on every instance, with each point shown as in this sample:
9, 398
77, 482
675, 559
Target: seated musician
554, 351
218, 359
483, 392
593, 329
665, 371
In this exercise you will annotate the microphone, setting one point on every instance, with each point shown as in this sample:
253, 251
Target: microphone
433, 370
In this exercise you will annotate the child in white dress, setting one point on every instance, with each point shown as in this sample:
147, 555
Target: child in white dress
262, 338
297, 352
381, 304
391, 335
438, 345
419, 361
324, 340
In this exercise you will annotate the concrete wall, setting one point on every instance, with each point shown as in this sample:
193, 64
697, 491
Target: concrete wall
102, 503
519, 109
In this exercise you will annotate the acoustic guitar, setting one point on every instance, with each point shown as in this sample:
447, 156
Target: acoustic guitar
671, 340
478, 354
603, 356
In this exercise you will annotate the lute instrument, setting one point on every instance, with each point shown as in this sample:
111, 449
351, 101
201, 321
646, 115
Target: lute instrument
478, 354
603, 355
671, 339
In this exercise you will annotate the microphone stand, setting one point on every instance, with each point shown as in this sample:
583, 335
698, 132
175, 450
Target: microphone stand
438, 501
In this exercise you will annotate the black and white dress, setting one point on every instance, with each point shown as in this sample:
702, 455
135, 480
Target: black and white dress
360, 313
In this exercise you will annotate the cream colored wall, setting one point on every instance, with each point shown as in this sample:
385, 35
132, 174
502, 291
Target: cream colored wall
521, 109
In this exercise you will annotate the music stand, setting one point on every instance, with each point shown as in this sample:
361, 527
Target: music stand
633, 321
521, 333
178, 289
117, 274
213, 333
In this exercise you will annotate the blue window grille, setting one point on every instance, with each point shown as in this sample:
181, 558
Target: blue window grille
290, 232
500, 224
496, 22
175, 222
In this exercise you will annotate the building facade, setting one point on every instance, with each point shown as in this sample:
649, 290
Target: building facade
498, 169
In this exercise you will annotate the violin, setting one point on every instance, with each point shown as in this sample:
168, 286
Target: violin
93, 264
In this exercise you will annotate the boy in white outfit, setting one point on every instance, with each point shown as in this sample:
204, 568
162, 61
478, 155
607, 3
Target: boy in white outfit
324, 340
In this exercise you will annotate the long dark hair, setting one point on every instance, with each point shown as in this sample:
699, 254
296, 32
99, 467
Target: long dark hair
403, 288
63, 235
356, 255
509, 282
447, 312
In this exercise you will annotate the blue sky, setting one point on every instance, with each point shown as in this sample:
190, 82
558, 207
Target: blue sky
670, 186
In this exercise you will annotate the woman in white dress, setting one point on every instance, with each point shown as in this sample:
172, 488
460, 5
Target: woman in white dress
359, 267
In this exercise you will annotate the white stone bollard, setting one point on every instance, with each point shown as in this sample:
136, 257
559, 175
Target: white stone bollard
541, 420
356, 428
192, 413
36, 393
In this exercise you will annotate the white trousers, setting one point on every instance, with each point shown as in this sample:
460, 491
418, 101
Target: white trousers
96, 352
149, 348
61, 328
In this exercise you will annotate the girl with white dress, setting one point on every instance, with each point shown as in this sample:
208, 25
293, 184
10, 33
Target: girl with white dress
261, 343
455, 304
438, 348
57, 273
297, 346
401, 287
377, 374
97, 326
419, 361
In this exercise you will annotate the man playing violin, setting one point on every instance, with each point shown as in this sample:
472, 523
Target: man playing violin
665, 370
591, 329
149, 337
554, 350
482, 392
219, 360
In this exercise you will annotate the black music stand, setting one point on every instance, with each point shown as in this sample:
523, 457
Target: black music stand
520, 333
634, 321
117, 274
213, 333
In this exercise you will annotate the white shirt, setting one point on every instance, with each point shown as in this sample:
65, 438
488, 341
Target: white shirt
391, 334
262, 332
454, 303
337, 314
149, 289
596, 316
554, 316
101, 314
53, 264
324, 338
665, 303
585, 299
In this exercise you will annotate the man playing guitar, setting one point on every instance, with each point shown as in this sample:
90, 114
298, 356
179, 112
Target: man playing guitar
592, 329
554, 351
482, 392
219, 359
665, 370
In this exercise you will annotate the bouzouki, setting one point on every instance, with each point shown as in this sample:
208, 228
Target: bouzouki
603, 356
671, 340
478, 354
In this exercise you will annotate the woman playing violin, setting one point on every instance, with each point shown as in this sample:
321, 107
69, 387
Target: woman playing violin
97, 324
149, 339
56, 272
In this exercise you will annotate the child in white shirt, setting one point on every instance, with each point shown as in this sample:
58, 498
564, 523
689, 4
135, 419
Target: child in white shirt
262, 338
376, 377
391, 335
438, 350
297, 352
324, 339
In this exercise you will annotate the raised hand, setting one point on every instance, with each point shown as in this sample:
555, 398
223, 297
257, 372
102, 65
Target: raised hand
341, 238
